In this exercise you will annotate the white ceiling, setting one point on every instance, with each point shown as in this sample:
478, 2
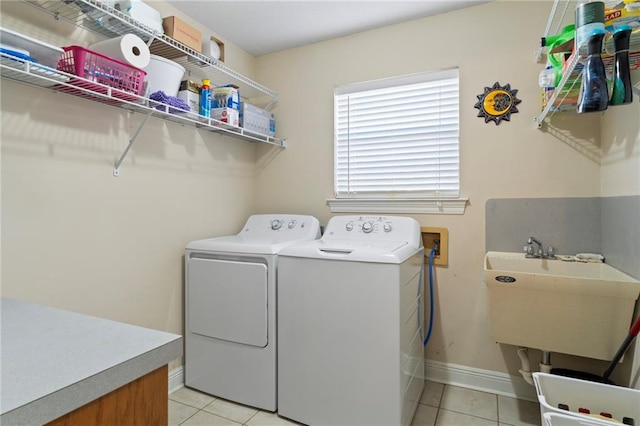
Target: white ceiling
266, 26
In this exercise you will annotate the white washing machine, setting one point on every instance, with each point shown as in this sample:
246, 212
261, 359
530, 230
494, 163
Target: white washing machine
350, 324
230, 308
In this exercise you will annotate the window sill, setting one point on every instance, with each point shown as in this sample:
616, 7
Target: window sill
398, 205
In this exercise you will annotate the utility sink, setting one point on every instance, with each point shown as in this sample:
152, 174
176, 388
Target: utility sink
576, 308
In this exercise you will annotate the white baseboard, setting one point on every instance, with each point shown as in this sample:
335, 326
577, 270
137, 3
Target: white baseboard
440, 372
176, 379
482, 380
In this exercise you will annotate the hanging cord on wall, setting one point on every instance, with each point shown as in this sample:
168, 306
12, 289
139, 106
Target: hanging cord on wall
433, 252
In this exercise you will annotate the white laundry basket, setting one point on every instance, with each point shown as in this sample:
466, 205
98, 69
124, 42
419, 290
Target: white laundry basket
552, 390
554, 419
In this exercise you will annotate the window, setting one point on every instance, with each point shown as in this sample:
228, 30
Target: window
398, 138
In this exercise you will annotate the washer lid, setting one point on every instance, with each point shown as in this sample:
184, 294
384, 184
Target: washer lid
380, 239
263, 234
352, 250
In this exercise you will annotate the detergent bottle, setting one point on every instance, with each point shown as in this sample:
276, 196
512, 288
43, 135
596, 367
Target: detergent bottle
205, 98
593, 94
622, 93
551, 75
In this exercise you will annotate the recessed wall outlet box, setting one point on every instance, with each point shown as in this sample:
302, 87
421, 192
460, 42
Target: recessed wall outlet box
429, 237
214, 48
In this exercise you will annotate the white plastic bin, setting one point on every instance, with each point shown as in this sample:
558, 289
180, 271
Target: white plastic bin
164, 74
596, 397
553, 419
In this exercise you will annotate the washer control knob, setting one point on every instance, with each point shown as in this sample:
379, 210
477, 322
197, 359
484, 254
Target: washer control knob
367, 227
292, 224
349, 226
276, 224
387, 227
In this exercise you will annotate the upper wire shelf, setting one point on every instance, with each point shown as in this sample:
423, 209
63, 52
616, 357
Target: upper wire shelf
99, 18
565, 95
24, 71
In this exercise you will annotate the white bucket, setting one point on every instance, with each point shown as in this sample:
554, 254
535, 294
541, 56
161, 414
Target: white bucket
163, 74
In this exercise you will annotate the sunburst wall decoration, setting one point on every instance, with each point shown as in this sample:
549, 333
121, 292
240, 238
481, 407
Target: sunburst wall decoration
497, 103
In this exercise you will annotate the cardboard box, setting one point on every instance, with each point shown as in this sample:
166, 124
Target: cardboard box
625, 15
192, 99
225, 96
226, 115
190, 85
257, 120
179, 30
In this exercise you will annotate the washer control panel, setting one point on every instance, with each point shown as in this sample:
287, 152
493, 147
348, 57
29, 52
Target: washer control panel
369, 224
389, 228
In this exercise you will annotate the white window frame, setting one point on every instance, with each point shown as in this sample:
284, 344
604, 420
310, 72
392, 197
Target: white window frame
395, 202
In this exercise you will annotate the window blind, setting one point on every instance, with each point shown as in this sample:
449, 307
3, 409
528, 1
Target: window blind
398, 137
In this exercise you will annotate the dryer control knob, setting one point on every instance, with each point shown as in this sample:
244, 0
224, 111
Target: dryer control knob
367, 227
387, 227
276, 224
349, 226
292, 224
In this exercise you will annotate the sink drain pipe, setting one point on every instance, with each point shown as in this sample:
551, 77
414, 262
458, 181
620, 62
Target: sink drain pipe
523, 353
545, 365
525, 370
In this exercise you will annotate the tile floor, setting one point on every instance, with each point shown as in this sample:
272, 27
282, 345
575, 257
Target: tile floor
441, 405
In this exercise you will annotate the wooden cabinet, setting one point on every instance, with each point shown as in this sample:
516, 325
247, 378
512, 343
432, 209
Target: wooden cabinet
141, 402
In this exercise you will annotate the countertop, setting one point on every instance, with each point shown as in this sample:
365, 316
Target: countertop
54, 361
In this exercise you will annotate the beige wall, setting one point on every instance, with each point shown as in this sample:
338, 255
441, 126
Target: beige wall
621, 150
489, 43
76, 237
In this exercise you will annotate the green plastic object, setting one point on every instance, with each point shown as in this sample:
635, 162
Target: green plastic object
553, 41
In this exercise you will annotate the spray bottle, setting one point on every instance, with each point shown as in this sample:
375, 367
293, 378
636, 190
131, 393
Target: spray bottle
205, 99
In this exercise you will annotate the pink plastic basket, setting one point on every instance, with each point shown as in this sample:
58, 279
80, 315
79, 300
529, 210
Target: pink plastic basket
101, 69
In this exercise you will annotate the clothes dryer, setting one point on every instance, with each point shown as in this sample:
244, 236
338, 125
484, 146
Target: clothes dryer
230, 308
350, 324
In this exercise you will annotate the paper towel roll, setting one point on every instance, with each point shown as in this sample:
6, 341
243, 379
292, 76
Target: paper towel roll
128, 48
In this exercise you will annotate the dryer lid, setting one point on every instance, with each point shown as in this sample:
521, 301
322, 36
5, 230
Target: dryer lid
263, 234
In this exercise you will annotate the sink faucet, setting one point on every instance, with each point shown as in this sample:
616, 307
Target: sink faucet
539, 252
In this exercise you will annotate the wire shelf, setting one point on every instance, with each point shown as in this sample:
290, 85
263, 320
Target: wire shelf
565, 95
23, 71
99, 18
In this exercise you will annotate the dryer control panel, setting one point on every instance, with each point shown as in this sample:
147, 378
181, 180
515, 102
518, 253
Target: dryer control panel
281, 226
379, 228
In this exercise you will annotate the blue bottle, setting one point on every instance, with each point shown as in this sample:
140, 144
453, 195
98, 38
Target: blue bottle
205, 99
594, 95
